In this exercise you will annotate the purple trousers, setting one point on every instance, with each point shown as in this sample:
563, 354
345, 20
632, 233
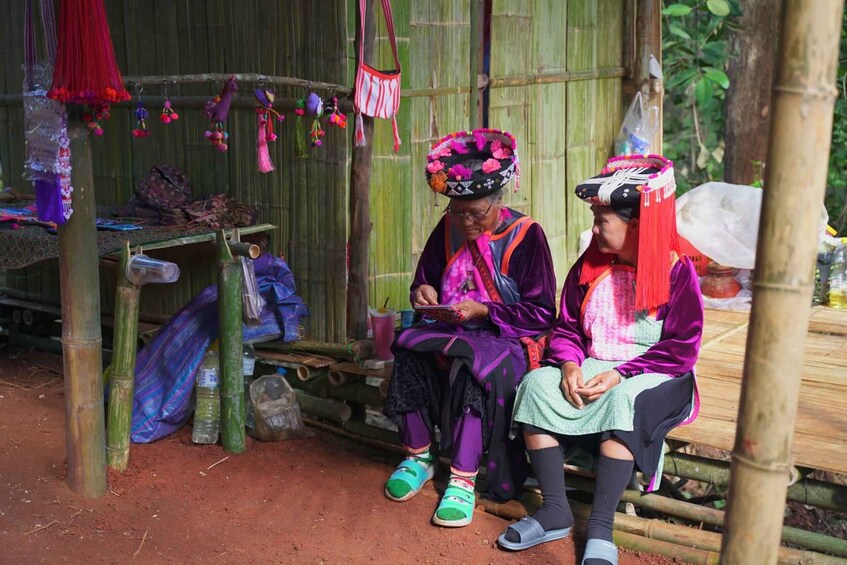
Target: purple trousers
467, 438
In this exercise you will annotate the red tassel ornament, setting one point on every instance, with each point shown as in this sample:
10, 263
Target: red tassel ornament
217, 110
86, 71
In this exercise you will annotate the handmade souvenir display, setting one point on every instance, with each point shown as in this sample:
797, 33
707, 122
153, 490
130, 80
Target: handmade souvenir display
377, 93
315, 107
45, 122
217, 110
141, 115
336, 117
265, 115
85, 69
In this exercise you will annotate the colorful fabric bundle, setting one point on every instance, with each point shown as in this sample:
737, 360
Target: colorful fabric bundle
85, 70
45, 122
217, 110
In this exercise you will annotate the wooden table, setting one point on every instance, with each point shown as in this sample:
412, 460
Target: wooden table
820, 437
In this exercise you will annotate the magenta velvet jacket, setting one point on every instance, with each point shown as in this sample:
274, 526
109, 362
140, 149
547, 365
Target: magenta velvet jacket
674, 354
531, 267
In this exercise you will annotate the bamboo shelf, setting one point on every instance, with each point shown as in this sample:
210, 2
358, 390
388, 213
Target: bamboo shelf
820, 436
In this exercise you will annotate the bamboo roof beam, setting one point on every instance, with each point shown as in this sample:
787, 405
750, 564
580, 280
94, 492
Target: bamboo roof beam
257, 78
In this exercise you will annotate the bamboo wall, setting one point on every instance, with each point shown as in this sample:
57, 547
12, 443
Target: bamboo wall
564, 127
305, 198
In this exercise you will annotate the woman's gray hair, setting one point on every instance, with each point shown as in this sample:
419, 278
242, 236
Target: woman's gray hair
495, 196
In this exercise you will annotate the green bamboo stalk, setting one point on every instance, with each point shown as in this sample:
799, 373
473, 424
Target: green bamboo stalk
81, 338
122, 382
325, 408
231, 342
808, 491
801, 131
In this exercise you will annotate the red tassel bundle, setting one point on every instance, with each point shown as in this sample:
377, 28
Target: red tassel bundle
657, 240
86, 71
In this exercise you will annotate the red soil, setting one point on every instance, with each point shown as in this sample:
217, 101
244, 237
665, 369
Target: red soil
316, 500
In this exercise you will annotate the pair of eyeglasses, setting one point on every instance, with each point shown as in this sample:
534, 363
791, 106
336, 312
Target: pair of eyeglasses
478, 216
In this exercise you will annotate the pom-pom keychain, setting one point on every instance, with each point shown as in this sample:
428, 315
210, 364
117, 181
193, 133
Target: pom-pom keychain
315, 107
168, 113
299, 134
92, 118
265, 115
141, 115
336, 118
217, 110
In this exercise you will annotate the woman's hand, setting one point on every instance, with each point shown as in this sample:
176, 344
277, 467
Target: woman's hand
425, 295
599, 385
571, 381
470, 309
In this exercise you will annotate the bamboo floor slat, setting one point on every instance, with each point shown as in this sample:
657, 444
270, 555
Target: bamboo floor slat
820, 435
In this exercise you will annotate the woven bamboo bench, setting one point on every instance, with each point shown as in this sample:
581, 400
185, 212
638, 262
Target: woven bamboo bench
820, 436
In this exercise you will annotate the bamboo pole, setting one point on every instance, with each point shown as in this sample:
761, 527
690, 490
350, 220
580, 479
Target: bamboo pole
256, 78
808, 491
648, 38
337, 378
714, 517
325, 408
230, 351
79, 278
361, 349
360, 214
475, 64
798, 154
122, 381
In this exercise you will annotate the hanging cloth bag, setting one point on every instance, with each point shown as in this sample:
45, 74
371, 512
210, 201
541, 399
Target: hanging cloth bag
376, 93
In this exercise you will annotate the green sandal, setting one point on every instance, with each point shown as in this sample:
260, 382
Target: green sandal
455, 509
408, 479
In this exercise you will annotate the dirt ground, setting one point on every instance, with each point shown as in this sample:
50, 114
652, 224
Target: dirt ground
316, 500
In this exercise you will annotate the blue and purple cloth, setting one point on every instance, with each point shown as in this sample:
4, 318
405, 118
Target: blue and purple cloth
165, 369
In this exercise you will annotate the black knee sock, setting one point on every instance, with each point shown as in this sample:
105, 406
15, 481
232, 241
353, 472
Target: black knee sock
611, 479
555, 514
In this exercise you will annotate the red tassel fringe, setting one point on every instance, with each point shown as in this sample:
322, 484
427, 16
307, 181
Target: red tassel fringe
594, 263
657, 239
86, 71
262, 154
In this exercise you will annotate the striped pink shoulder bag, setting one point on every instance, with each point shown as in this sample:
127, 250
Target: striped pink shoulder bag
377, 93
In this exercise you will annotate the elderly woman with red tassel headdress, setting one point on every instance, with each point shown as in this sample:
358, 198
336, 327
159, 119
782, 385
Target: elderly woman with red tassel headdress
620, 357
486, 288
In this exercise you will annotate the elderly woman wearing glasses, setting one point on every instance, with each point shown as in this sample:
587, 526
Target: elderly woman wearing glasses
457, 370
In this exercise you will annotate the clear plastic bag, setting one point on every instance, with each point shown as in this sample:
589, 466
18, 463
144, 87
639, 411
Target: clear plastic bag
639, 125
277, 414
252, 301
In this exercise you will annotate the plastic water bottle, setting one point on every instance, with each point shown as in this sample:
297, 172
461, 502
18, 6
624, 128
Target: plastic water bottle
248, 360
248, 367
207, 411
838, 277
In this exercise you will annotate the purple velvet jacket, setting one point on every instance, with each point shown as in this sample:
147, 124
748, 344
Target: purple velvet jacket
674, 354
531, 267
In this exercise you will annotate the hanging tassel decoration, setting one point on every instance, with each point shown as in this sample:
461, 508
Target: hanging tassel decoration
315, 107
168, 114
141, 115
217, 110
264, 113
85, 70
396, 133
299, 134
336, 118
359, 132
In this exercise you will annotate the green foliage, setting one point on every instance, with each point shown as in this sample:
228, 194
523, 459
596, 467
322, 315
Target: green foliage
694, 52
836, 185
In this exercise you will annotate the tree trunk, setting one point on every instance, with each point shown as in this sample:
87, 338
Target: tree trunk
752, 57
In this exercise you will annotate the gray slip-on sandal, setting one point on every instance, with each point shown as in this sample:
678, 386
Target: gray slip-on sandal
600, 549
531, 534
